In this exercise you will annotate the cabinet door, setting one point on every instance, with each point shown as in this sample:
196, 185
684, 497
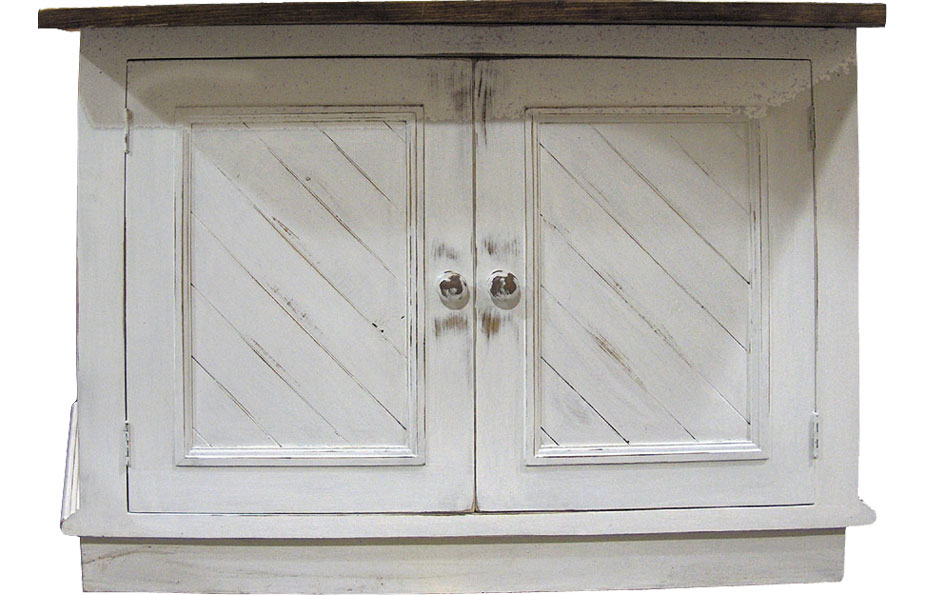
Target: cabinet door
286, 221
653, 345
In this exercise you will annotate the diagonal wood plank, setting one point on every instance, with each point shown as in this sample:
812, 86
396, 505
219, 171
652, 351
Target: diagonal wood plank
568, 419
725, 161
220, 420
328, 173
605, 382
700, 408
218, 348
622, 195
375, 316
672, 314
297, 288
377, 151
311, 229
358, 414
717, 218
199, 441
546, 439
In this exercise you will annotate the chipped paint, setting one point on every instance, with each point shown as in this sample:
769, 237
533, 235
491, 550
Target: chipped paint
460, 90
621, 360
282, 226
442, 250
491, 324
451, 324
461, 97
502, 248
483, 103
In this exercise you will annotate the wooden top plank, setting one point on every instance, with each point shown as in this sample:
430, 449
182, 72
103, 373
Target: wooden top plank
486, 12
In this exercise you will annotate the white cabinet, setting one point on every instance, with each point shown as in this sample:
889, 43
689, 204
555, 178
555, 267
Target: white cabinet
287, 349
437, 308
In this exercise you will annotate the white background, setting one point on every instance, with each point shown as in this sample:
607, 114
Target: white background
37, 303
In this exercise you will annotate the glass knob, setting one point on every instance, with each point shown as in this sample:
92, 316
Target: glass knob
504, 289
453, 290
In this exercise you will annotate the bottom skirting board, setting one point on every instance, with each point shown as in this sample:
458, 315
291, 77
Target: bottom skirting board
462, 565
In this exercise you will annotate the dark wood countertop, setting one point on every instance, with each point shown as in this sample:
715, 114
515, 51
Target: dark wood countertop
486, 12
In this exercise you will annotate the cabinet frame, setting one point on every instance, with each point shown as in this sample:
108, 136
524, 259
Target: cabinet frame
101, 508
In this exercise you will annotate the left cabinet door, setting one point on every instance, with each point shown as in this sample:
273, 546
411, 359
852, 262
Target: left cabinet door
287, 221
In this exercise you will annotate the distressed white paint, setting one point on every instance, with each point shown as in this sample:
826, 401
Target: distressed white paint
463, 566
70, 496
102, 476
278, 299
572, 219
336, 336
585, 314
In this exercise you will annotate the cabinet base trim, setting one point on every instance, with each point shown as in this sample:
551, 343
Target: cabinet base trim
462, 565
118, 524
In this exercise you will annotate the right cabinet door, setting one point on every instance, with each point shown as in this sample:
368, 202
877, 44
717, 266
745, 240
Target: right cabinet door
650, 228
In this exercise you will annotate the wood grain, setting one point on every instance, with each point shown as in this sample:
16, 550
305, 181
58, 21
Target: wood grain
656, 365
581, 159
460, 566
495, 12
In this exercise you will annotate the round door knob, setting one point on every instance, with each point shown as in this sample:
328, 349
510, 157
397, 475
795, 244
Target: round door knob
504, 289
453, 290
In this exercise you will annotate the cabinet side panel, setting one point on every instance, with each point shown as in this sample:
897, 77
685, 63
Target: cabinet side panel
836, 169
100, 282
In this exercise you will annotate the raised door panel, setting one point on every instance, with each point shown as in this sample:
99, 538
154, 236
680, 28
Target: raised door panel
661, 228
649, 267
302, 330
286, 347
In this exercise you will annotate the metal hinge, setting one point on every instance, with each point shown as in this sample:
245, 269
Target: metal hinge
125, 137
815, 435
126, 434
812, 123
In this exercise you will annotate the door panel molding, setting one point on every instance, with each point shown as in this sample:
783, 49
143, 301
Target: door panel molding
328, 337
280, 295
663, 301
605, 237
